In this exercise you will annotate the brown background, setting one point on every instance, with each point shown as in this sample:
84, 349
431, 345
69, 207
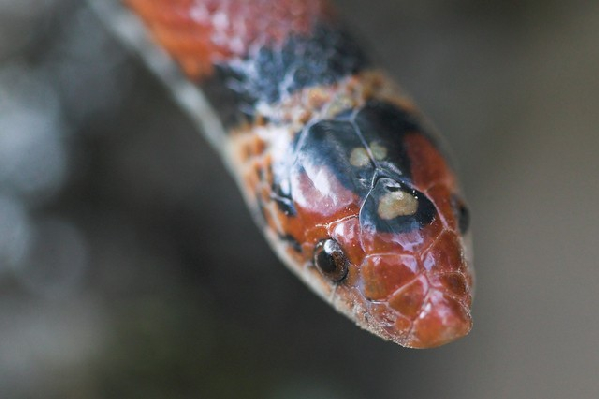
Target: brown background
129, 266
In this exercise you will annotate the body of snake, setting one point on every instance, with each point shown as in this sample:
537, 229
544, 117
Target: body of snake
343, 176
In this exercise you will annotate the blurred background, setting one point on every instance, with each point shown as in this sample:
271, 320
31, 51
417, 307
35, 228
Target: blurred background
129, 267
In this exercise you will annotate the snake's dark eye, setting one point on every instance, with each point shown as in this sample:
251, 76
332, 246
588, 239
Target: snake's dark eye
331, 260
461, 213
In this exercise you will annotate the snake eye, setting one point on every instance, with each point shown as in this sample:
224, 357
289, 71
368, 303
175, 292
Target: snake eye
461, 213
330, 259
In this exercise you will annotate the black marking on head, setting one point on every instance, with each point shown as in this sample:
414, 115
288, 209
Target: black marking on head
387, 124
369, 214
295, 244
331, 260
322, 58
283, 199
329, 143
461, 213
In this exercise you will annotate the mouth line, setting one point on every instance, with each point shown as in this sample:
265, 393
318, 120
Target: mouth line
448, 323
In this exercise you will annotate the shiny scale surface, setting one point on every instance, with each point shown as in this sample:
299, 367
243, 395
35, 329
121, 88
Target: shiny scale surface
327, 150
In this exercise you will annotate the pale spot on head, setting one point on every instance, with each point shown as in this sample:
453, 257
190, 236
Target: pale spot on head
359, 157
396, 204
378, 152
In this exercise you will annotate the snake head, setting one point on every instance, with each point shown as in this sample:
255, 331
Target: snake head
386, 226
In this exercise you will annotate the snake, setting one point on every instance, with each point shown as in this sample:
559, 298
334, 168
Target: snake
348, 181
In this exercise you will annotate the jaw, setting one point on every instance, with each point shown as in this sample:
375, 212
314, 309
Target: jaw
440, 320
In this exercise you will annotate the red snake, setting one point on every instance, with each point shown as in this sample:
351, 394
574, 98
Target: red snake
341, 172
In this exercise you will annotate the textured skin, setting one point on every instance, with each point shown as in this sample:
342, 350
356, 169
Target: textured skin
326, 148
199, 34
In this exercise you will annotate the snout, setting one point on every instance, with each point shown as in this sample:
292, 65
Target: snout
442, 319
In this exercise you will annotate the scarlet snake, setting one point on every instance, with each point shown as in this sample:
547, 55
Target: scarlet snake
341, 172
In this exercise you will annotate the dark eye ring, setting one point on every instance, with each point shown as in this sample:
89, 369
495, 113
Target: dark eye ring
331, 260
